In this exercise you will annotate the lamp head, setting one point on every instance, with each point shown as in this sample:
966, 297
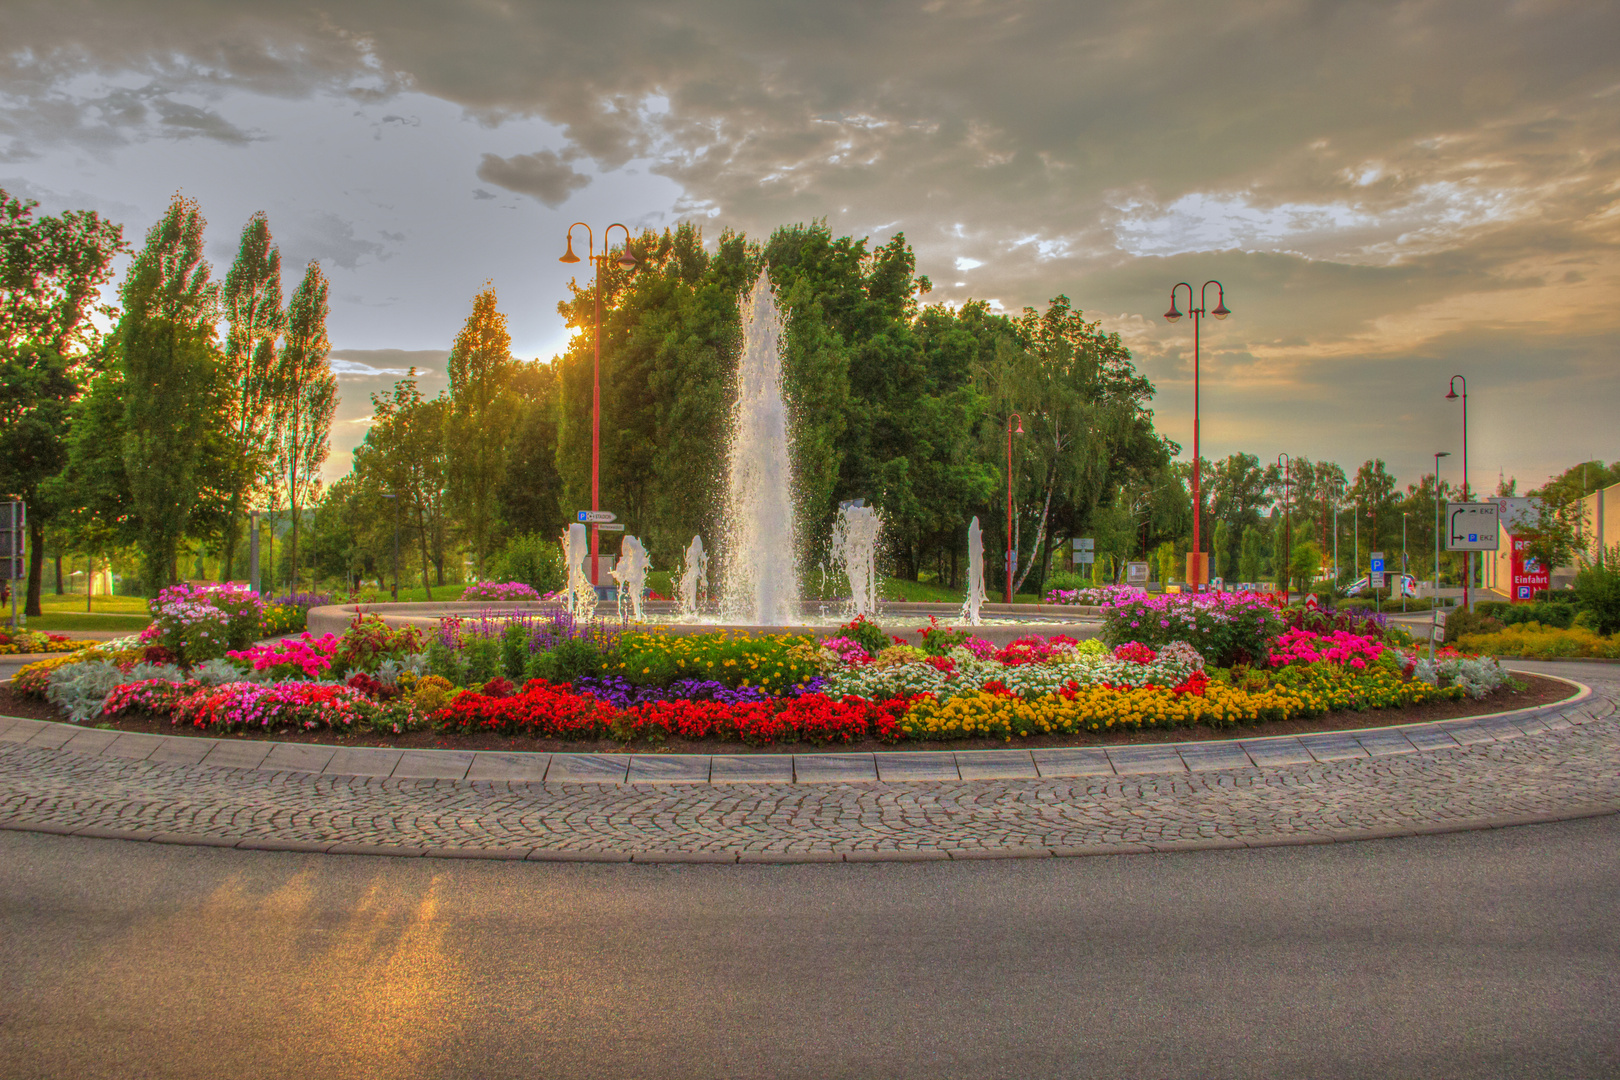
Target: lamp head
1020, 430
1451, 395
1443, 453
627, 260
569, 256
1221, 310
1173, 314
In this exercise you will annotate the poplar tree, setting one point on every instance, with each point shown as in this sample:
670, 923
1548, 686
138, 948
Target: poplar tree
306, 393
253, 309
481, 413
171, 380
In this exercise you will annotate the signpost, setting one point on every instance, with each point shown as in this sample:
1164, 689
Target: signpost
596, 517
13, 530
1136, 573
611, 528
1471, 526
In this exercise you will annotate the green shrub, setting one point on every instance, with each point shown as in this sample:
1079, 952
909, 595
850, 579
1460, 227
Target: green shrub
1462, 621
1066, 580
569, 659
514, 649
481, 656
1597, 591
532, 559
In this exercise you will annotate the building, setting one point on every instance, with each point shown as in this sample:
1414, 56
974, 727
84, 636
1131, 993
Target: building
1511, 573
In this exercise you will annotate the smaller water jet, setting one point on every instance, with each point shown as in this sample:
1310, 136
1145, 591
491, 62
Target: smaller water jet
631, 574
576, 551
975, 583
854, 550
693, 588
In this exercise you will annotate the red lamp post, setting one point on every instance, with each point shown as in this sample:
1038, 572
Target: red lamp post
1197, 561
627, 262
1011, 548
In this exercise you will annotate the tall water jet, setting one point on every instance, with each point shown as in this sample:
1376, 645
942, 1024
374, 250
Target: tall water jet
576, 551
631, 574
693, 588
761, 544
854, 550
975, 582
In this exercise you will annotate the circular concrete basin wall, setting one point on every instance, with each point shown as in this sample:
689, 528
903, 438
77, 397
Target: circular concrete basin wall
899, 619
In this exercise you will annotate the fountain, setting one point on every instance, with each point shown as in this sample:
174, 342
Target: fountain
975, 584
576, 550
693, 587
631, 574
854, 550
761, 545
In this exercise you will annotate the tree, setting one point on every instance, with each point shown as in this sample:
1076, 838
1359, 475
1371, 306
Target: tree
403, 454
171, 382
50, 269
1250, 555
307, 393
481, 410
253, 309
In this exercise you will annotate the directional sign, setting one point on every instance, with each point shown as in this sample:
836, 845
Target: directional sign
1471, 526
1087, 556
1136, 573
611, 528
13, 529
1087, 543
1376, 579
595, 517
1378, 562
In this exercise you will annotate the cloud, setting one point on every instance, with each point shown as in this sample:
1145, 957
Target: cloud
544, 175
1365, 179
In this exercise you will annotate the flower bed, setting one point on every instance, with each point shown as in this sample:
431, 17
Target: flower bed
547, 676
1093, 597
499, 590
22, 642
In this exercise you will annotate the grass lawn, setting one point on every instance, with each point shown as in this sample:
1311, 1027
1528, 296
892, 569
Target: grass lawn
62, 623
52, 604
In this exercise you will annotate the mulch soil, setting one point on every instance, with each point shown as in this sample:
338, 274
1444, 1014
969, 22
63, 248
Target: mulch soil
1537, 691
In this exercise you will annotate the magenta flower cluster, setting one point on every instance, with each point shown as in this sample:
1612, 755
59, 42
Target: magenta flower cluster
201, 622
500, 590
1339, 647
1226, 628
291, 658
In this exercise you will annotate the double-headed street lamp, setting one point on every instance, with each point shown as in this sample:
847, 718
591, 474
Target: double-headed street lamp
1012, 549
1197, 561
1468, 556
626, 261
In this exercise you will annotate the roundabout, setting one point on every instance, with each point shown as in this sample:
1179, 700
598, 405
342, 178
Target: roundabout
1555, 762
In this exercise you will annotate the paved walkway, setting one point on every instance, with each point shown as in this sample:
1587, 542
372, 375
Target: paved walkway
1556, 762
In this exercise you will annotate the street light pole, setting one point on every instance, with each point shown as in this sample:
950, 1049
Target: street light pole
627, 262
1468, 556
1434, 601
1287, 464
1198, 562
1404, 516
1012, 548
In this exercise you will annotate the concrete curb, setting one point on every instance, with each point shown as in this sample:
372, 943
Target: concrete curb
640, 857
615, 769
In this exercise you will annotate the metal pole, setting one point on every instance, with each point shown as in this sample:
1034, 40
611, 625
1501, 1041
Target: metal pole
1198, 318
1007, 592
1403, 562
596, 406
396, 547
253, 551
1434, 602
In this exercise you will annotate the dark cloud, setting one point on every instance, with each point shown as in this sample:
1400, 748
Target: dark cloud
544, 175
1366, 178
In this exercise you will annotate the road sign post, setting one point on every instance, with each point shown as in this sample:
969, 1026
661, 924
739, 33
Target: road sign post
13, 534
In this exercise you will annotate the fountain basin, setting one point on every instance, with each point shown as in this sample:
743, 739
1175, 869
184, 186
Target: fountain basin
1006, 622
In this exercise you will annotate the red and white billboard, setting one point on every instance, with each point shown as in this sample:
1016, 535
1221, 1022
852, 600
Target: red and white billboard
1529, 576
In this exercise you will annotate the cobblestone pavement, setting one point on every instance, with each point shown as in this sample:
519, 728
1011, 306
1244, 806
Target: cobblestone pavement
1558, 762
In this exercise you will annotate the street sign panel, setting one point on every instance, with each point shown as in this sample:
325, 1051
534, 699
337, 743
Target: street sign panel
1378, 562
1136, 573
1376, 579
596, 517
1471, 526
610, 528
1086, 543
1088, 556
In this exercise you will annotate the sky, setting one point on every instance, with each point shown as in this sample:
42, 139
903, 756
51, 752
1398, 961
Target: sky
1390, 193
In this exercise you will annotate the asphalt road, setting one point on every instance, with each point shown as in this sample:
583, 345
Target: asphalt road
1478, 954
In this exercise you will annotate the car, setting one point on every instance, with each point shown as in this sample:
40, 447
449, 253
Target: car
1408, 585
